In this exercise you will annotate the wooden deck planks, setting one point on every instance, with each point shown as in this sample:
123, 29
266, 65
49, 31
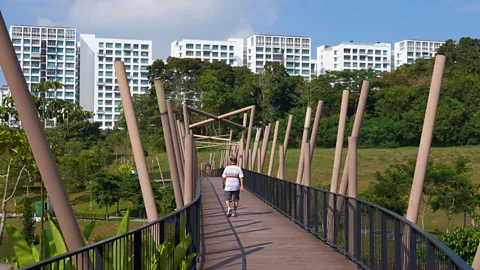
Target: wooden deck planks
259, 238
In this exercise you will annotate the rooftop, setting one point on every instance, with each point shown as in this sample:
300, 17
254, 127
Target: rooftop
270, 35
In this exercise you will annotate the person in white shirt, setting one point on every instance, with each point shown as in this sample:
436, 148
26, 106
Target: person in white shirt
232, 180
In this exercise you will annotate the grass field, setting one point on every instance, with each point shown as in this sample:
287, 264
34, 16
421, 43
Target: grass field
369, 162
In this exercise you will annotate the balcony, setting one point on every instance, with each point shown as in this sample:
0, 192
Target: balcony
100, 82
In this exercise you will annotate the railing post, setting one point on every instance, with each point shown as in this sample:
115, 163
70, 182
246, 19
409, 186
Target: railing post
430, 256
384, 240
315, 209
325, 211
412, 260
398, 245
371, 214
347, 227
137, 250
358, 230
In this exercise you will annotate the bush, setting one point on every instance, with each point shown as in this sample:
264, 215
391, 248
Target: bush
463, 241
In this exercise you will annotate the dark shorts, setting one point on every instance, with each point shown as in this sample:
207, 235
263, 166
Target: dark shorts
232, 195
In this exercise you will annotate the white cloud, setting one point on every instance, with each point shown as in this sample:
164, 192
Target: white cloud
45, 22
164, 21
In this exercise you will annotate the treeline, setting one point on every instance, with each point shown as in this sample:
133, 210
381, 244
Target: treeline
395, 109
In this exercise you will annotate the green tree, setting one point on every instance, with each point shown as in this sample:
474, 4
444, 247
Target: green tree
105, 189
29, 223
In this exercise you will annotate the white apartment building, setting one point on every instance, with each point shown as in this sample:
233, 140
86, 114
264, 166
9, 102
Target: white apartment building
47, 54
406, 51
98, 85
3, 93
230, 51
293, 52
354, 56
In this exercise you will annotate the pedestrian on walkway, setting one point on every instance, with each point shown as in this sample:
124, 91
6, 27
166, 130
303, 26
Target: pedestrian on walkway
232, 181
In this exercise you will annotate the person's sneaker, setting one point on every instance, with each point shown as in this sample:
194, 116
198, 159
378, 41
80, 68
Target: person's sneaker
229, 212
234, 214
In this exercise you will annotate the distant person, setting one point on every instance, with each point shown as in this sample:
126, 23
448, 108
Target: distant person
232, 181
208, 168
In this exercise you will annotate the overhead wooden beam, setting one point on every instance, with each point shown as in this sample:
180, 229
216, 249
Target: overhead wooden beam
222, 116
214, 117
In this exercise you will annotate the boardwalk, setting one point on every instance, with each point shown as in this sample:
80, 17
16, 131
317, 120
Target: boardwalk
259, 238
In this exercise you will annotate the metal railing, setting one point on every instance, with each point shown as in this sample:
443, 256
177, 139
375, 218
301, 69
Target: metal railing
138, 248
370, 235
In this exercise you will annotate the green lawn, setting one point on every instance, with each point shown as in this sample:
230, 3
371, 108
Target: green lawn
369, 162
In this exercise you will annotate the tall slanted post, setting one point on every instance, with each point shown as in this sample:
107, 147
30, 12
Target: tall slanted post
362, 103
285, 140
162, 104
39, 145
189, 169
255, 148
352, 193
281, 163
249, 137
274, 145
424, 150
336, 164
176, 146
137, 148
304, 140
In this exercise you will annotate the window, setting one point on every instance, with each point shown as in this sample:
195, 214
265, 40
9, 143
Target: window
215, 54
289, 50
346, 57
16, 41
59, 50
370, 51
370, 58
109, 66
231, 48
118, 53
206, 47
109, 45
144, 82
100, 66
305, 51
305, 65
99, 102
118, 45
144, 47
35, 42
135, 67
189, 53
143, 68
60, 57
305, 58
223, 47
71, 44
362, 58
100, 45
384, 52
198, 46
259, 49
355, 64
51, 43
69, 72
128, 60
144, 53
378, 66
100, 73
346, 50
109, 73
17, 48
223, 54
26, 64
108, 80
378, 59
26, 56
198, 53
189, 46
346, 64
230, 55
70, 58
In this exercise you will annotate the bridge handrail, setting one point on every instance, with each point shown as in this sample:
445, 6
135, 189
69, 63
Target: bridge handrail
163, 230
380, 237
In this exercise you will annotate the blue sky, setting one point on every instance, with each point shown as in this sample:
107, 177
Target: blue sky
325, 21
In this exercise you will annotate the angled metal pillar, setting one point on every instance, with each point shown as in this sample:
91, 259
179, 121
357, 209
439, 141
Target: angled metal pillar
162, 104
274, 146
137, 148
304, 140
176, 146
39, 145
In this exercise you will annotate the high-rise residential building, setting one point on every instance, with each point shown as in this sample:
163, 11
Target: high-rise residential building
293, 52
47, 54
406, 51
354, 56
230, 51
3, 93
98, 85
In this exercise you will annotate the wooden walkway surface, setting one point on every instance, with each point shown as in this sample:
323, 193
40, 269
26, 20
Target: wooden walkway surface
259, 238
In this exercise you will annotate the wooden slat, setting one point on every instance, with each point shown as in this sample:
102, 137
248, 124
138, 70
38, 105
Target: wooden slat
259, 238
